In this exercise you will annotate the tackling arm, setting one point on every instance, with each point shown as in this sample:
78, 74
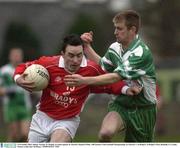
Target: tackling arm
76, 80
89, 51
115, 88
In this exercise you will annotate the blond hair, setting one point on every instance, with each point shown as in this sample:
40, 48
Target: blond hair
131, 18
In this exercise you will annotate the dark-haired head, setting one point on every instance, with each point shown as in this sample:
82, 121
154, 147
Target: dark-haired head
72, 52
73, 40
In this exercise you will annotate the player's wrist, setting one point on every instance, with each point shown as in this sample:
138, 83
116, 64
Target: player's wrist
124, 89
87, 46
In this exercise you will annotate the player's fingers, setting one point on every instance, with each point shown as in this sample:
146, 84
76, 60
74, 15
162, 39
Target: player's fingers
74, 76
91, 32
24, 75
26, 83
70, 83
28, 87
131, 93
68, 77
24, 80
137, 90
85, 35
88, 34
86, 38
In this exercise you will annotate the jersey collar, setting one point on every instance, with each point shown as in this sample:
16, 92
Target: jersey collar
83, 63
134, 43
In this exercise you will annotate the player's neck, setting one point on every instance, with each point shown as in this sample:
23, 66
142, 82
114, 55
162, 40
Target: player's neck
69, 71
127, 43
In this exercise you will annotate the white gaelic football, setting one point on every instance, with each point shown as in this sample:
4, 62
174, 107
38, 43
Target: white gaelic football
39, 75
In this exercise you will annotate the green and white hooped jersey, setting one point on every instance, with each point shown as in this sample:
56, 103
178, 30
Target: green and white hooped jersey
134, 65
20, 97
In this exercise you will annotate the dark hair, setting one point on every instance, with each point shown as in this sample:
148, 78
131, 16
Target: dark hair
132, 18
72, 39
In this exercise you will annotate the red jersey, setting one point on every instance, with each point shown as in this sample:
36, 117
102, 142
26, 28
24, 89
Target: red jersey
158, 95
60, 101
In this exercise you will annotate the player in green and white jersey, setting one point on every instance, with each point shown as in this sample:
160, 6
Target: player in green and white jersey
16, 101
129, 59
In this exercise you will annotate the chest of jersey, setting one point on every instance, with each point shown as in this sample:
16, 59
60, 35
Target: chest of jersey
61, 94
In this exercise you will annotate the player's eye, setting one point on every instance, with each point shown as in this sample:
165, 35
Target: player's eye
71, 55
79, 55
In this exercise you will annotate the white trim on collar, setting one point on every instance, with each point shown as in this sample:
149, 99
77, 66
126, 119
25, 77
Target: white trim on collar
83, 63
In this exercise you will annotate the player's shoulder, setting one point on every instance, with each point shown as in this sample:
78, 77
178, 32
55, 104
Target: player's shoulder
117, 47
142, 45
142, 50
49, 60
91, 65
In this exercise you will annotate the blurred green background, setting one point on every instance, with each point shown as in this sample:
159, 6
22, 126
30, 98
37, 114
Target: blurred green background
38, 26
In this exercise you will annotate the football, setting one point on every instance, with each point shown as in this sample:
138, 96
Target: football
39, 75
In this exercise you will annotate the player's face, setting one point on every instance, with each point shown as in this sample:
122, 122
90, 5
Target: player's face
73, 57
122, 33
16, 56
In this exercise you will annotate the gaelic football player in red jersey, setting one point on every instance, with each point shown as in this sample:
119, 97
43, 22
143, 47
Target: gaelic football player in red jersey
57, 116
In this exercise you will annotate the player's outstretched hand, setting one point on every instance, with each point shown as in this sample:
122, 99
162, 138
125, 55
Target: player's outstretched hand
74, 80
87, 37
28, 85
134, 90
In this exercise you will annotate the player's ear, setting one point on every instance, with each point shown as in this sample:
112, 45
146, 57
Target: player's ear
133, 29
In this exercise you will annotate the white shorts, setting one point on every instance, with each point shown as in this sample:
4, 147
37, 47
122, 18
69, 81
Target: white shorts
42, 126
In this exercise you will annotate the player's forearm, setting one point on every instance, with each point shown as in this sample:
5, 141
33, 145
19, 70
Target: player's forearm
91, 54
102, 79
